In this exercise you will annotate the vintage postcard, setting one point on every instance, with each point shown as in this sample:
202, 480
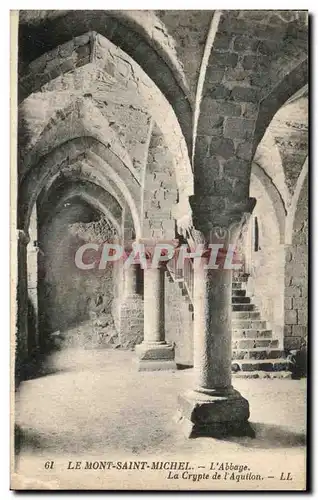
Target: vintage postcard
159, 270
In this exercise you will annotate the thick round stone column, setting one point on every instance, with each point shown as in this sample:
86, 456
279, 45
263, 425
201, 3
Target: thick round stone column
154, 353
213, 407
154, 328
212, 327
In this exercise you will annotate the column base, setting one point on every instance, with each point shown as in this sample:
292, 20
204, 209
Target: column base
214, 414
155, 356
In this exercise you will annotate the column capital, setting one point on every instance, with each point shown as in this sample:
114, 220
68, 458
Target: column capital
217, 218
22, 237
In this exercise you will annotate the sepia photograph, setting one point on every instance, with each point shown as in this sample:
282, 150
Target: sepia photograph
159, 250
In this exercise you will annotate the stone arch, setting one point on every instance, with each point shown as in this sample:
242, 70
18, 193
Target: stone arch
93, 77
294, 203
76, 177
80, 118
95, 163
95, 203
247, 79
93, 194
142, 36
274, 195
268, 158
289, 84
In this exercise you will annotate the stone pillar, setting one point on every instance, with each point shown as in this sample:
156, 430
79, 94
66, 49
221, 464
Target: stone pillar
212, 326
213, 407
22, 305
154, 353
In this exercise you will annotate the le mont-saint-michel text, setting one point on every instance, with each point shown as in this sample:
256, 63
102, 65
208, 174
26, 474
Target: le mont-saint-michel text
175, 469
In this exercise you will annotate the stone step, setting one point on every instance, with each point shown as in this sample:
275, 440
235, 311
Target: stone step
241, 300
238, 293
266, 365
240, 279
245, 315
248, 323
251, 333
243, 307
252, 343
236, 286
258, 353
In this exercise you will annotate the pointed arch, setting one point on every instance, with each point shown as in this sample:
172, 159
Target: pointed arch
98, 77
289, 84
138, 33
274, 195
294, 203
90, 159
60, 191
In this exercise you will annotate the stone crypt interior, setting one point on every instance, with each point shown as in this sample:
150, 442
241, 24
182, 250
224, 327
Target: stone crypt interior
161, 125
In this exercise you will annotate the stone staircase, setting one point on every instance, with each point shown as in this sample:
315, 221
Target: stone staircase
255, 354
254, 351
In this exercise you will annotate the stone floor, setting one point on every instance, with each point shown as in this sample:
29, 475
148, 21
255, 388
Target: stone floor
94, 403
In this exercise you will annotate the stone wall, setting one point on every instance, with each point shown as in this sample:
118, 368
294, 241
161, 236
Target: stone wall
266, 282
67, 295
296, 276
160, 190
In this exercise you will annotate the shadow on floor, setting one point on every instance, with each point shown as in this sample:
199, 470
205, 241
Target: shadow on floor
269, 436
181, 366
266, 437
41, 366
27, 439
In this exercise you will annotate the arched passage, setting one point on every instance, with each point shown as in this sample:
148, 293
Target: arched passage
140, 36
71, 212
50, 145
110, 89
73, 151
265, 251
274, 196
